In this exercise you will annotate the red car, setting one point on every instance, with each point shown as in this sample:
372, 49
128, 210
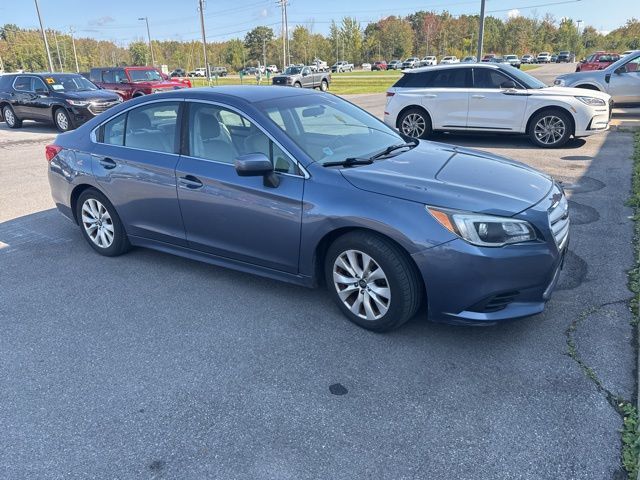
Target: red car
488, 57
379, 65
131, 82
597, 61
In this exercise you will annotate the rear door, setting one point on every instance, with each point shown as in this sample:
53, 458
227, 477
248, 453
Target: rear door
493, 107
231, 216
445, 95
21, 95
134, 161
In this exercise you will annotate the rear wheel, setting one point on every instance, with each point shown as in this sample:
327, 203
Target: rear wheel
10, 117
372, 280
415, 123
297, 85
550, 129
100, 224
324, 85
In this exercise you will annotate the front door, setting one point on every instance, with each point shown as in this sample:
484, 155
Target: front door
134, 162
232, 216
624, 86
492, 106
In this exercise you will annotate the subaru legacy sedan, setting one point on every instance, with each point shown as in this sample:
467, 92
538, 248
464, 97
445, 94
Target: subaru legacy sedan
305, 187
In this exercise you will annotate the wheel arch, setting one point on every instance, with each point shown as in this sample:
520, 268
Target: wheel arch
550, 108
325, 242
412, 107
589, 86
75, 195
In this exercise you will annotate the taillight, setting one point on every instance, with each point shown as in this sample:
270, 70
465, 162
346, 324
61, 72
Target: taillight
390, 94
50, 151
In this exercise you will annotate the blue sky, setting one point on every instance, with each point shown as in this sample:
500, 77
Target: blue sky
178, 19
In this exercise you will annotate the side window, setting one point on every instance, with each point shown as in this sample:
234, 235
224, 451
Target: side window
23, 84
38, 85
488, 78
451, 78
632, 66
415, 80
107, 76
153, 127
119, 76
306, 71
221, 135
113, 130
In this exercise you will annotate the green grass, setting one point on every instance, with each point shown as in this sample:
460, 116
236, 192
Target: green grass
341, 83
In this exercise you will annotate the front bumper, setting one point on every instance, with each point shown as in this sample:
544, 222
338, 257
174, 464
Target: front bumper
467, 284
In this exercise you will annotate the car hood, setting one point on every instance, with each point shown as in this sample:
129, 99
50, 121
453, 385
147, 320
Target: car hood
453, 177
569, 91
99, 95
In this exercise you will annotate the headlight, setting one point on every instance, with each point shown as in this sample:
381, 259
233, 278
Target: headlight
592, 101
77, 103
560, 82
484, 230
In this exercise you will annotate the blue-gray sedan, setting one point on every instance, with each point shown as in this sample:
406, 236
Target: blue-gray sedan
305, 187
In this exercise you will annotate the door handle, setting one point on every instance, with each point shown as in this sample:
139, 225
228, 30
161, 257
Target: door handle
191, 182
478, 96
107, 163
430, 95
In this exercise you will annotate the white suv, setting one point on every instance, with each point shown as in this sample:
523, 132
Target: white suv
449, 59
493, 98
429, 60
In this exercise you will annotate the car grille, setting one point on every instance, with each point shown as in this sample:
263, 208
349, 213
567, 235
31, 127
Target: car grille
97, 108
279, 81
559, 217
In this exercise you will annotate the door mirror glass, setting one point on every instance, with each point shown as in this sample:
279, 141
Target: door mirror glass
508, 85
253, 165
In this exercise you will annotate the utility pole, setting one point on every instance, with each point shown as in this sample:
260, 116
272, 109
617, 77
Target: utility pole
55, 38
153, 60
204, 40
481, 30
286, 30
44, 37
75, 54
285, 34
264, 52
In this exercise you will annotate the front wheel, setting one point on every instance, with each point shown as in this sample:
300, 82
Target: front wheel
62, 120
550, 129
10, 117
372, 280
297, 85
100, 224
415, 123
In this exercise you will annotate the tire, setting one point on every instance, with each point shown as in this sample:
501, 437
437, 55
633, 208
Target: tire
100, 224
550, 128
324, 86
383, 299
415, 123
61, 120
297, 85
10, 117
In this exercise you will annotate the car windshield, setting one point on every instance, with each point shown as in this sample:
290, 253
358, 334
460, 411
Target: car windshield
329, 129
292, 70
511, 57
524, 78
145, 75
69, 83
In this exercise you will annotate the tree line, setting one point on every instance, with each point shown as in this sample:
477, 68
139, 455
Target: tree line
421, 33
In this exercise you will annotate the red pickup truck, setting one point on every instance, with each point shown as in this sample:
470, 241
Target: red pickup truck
131, 82
597, 61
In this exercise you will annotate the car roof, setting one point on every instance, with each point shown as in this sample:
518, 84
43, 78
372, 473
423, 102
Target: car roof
247, 93
43, 74
453, 65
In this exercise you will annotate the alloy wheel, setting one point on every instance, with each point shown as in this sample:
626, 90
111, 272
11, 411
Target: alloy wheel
9, 117
414, 125
97, 223
361, 285
61, 120
550, 129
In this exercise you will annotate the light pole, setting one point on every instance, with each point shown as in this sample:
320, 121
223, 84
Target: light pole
44, 37
578, 40
481, 30
75, 54
153, 60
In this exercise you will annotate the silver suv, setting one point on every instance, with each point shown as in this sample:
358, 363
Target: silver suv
621, 80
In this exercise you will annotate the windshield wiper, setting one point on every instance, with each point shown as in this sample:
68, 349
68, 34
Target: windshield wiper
349, 162
393, 148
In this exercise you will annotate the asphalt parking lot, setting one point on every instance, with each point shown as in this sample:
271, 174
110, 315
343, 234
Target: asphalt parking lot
153, 366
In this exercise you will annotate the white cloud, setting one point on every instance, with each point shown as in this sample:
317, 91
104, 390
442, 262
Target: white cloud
515, 13
604, 32
264, 13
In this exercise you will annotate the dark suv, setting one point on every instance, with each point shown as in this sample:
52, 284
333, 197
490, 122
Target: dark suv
65, 99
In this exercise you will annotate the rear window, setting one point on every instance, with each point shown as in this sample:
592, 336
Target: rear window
445, 78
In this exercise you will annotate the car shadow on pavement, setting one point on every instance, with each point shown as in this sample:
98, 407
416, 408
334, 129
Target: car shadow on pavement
502, 141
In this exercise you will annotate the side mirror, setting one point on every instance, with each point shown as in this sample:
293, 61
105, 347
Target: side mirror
257, 165
508, 85
622, 69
